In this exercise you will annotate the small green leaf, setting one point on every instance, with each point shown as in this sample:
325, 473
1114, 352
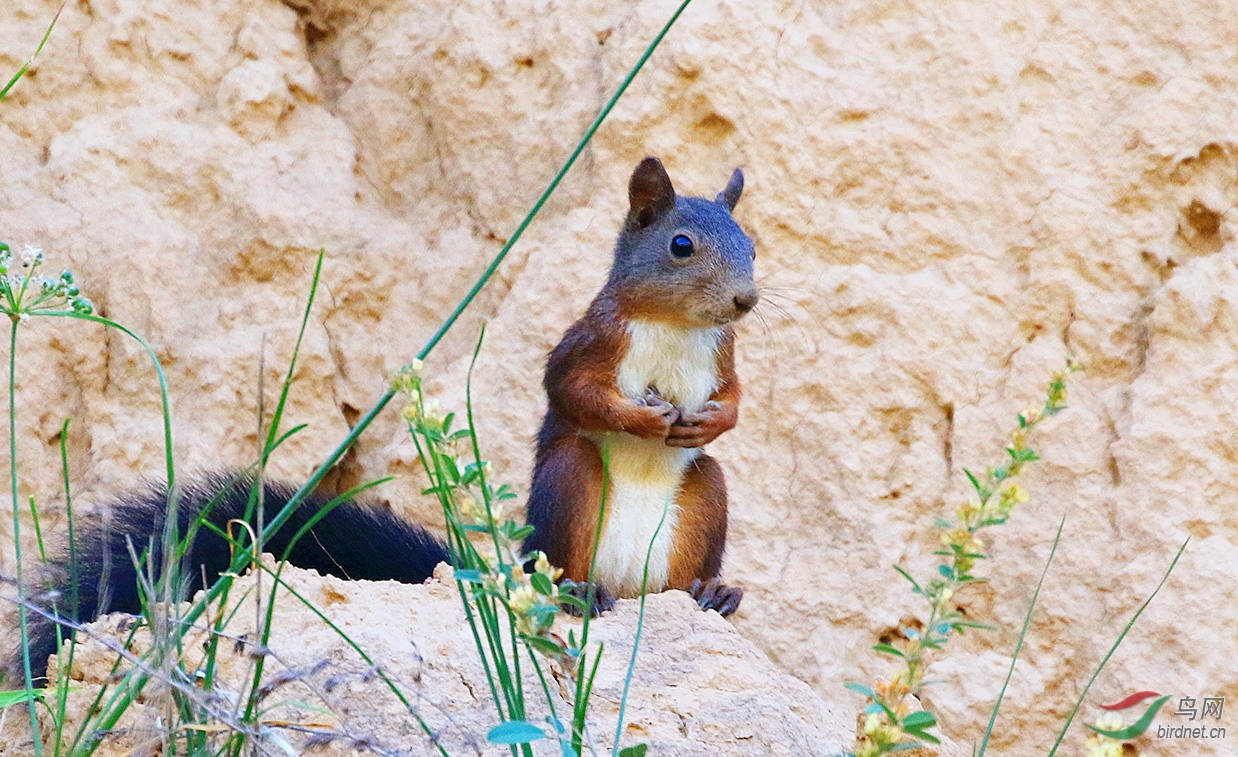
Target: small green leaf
887, 649
515, 732
576, 602
634, 751
542, 584
930, 738
961, 624
519, 534
9, 698
915, 586
543, 614
861, 689
918, 720
980, 490
544, 645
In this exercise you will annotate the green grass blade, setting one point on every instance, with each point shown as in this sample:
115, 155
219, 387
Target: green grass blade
1027, 620
285, 389
1079, 702
30, 61
139, 678
554, 184
27, 677
62, 684
169, 467
368, 660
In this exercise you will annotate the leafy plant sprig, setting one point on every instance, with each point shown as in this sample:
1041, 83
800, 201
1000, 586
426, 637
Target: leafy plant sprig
890, 725
511, 610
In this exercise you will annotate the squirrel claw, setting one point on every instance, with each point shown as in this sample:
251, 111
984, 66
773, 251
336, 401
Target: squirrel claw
715, 595
603, 600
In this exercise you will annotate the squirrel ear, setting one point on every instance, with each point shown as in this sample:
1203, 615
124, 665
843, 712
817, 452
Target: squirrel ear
734, 188
650, 193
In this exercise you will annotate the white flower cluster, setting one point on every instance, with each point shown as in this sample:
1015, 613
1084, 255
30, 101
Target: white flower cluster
23, 291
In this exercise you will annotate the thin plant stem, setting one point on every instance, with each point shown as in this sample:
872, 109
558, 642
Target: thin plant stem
582, 699
368, 660
1121, 636
62, 681
1018, 649
21, 587
135, 681
30, 61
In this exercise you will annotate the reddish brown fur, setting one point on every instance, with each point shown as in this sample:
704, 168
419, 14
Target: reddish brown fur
653, 279
571, 476
700, 539
582, 388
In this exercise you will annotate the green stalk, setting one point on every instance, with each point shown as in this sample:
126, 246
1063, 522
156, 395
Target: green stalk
1095, 674
30, 61
62, 682
109, 720
368, 660
1027, 621
516, 684
258, 491
28, 680
170, 469
454, 544
582, 699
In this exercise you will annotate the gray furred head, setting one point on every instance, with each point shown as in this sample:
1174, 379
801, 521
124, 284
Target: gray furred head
683, 259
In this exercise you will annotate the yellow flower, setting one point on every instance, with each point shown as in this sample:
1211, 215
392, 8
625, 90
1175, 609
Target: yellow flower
967, 510
522, 599
1013, 495
542, 565
1103, 746
407, 378
872, 723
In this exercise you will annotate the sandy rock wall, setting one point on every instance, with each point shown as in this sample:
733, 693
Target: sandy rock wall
946, 201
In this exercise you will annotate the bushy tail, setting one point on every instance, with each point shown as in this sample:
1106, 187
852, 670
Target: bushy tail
354, 540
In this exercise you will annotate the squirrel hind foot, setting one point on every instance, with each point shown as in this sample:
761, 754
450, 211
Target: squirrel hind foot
715, 595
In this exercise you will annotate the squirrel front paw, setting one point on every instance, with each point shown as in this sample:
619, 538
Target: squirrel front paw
715, 595
702, 427
655, 417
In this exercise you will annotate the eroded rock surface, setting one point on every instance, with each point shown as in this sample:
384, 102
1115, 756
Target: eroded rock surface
946, 200
699, 688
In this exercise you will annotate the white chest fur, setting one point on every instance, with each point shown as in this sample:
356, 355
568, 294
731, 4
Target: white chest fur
645, 474
680, 363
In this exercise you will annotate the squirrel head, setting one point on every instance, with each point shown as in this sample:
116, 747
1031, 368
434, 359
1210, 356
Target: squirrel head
682, 260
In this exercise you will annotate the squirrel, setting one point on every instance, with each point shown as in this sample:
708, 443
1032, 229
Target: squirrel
636, 388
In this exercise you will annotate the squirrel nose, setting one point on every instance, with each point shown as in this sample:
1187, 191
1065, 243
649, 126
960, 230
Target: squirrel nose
746, 301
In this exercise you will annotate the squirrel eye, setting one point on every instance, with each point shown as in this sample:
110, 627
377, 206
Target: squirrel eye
682, 247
